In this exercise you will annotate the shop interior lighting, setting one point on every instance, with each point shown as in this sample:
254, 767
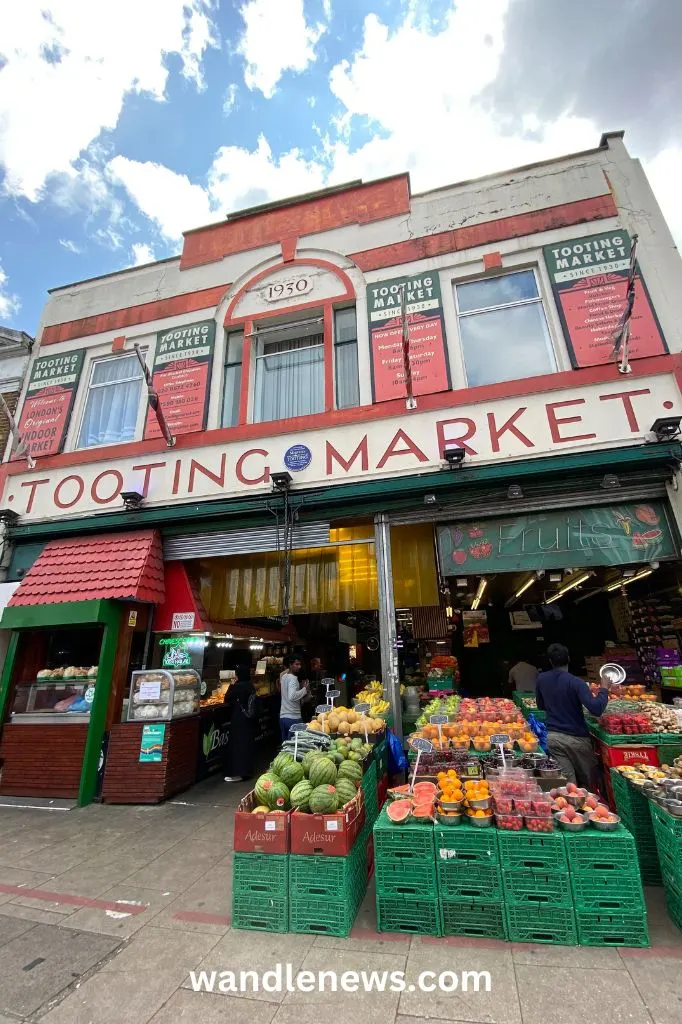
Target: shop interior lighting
514, 491
479, 593
626, 582
453, 455
224, 643
569, 586
666, 428
132, 500
524, 588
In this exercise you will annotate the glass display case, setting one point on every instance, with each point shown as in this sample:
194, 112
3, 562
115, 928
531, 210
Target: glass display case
59, 696
161, 695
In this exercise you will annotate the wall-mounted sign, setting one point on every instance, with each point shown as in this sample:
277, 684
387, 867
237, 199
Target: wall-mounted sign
608, 535
183, 620
51, 390
287, 289
475, 626
181, 376
589, 279
151, 742
428, 360
132, 618
298, 457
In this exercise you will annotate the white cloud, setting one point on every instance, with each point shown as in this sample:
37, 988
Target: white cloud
142, 253
108, 237
230, 99
327, 8
276, 39
240, 177
9, 303
171, 200
70, 246
68, 65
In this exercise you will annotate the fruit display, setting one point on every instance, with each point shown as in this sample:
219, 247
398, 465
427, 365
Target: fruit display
625, 722
475, 722
439, 706
321, 782
373, 694
347, 722
656, 718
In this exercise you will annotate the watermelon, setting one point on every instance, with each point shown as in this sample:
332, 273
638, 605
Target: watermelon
422, 811
399, 792
399, 811
308, 759
259, 789
300, 795
423, 791
323, 800
291, 774
345, 790
276, 794
351, 770
322, 772
280, 762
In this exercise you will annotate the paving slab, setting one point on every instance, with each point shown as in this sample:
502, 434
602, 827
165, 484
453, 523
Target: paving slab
500, 1005
207, 896
121, 998
659, 983
370, 943
186, 1007
108, 922
613, 998
11, 927
579, 957
358, 1012
375, 1005
156, 949
38, 914
177, 872
43, 961
662, 931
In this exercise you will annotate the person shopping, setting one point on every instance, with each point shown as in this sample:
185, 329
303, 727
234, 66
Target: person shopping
292, 693
563, 696
242, 702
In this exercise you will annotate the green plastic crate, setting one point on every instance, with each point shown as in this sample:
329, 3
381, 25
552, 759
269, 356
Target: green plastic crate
669, 849
369, 779
622, 739
381, 758
309, 916
463, 881
612, 929
552, 925
476, 920
664, 821
327, 877
407, 842
667, 752
525, 850
260, 913
466, 843
408, 915
260, 874
536, 888
607, 894
601, 852
395, 877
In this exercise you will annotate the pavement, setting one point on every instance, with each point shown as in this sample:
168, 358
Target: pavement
105, 910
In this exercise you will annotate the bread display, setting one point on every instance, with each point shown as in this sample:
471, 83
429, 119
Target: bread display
67, 672
163, 694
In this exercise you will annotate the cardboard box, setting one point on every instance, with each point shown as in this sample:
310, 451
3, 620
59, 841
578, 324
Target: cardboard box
332, 835
260, 833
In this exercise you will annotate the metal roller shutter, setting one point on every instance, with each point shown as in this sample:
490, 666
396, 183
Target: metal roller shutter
243, 542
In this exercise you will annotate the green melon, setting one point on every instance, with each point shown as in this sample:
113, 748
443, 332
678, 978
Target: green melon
345, 790
276, 795
291, 774
300, 795
259, 788
308, 759
322, 772
323, 800
280, 762
336, 756
350, 770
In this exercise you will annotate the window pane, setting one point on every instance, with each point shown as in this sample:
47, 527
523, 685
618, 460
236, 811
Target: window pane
233, 380
235, 347
347, 385
290, 383
110, 412
495, 291
345, 327
121, 368
506, 344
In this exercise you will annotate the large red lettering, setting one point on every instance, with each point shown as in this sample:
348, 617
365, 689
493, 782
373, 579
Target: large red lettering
176, 476
34, 485
118, 486
555, 422
249, 480
147, 468
409, 449
509, 425
361, 451
196, 467
469, 431
626, 398
80, 487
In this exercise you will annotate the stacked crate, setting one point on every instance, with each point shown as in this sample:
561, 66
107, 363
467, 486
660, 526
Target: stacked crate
325, 893
406, 882
537, 888
469, 881
633, 808
607, 888
668, 833
260, 892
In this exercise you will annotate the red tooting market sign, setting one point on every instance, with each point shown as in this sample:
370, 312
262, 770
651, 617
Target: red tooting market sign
589, 279
181, 376
49, 399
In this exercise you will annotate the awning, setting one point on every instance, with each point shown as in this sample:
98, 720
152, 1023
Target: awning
116, 566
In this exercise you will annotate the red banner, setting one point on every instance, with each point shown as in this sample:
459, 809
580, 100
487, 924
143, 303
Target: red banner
181, 378
427, 358
46, 410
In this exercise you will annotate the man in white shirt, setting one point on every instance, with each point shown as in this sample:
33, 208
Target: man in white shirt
292, 693
522, 676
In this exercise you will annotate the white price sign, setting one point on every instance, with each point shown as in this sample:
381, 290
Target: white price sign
150, 691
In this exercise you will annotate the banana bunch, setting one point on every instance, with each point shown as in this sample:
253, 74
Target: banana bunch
369, 696
379, 709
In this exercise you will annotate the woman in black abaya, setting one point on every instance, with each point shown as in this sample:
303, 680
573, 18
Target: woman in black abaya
242, 702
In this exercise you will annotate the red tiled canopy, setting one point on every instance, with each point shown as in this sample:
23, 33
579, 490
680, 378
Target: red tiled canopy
119, 566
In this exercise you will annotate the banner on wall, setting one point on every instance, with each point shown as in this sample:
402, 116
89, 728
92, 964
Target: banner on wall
589, 280
428, 359
181, 376
49, 400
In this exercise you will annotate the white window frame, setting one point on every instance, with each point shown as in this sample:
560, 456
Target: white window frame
540, 298
260, 337
83, 402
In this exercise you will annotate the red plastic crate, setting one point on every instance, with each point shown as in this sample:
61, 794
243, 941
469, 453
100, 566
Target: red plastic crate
332, 835
628, 754
260, 833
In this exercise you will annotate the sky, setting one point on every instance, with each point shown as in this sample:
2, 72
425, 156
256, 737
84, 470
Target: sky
124, 123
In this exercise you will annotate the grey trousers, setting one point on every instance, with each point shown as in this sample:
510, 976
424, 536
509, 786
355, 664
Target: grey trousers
575, 756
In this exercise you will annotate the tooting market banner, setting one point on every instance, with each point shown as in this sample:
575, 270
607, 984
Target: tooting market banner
49, 399
612, 535
589, 279
181, 375
427, 337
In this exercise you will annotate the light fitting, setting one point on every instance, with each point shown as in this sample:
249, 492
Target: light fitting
132, 500
568, 586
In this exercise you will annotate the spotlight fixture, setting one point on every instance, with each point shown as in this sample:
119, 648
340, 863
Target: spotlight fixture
514, 491
568, 586
666, 428
132, 500
8, 517
626, 582
610, 482
430, 499
479, 593
281, 481
453, 455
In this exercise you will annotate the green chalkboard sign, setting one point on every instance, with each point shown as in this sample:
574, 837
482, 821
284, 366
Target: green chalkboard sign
607, 535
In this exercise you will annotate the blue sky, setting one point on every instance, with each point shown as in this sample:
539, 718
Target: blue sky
122, 124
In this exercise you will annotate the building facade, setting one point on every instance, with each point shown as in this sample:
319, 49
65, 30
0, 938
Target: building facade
276, 345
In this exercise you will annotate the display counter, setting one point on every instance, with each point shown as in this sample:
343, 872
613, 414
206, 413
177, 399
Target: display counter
40, 757
131, 776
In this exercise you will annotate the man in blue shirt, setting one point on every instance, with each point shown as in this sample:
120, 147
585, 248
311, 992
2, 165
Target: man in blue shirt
563, 696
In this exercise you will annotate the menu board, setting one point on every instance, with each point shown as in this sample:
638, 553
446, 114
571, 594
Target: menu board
589, 280
49, 400
428, 361
181, 377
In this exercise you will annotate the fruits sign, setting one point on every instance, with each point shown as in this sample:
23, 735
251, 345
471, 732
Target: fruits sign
608, 535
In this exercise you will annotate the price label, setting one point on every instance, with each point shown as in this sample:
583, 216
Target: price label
421, 746
270, 826
150, 691
299, 726
333, 693
328, 682
361, 709
499, 738
331, 825
439, 719
322, 709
